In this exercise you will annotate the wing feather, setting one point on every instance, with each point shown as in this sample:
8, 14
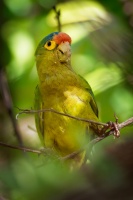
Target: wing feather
39, 117
92, 102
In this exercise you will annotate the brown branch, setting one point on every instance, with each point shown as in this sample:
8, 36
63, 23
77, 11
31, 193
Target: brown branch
6, 96
72, 155
43, 151
32, 129
95, 24
88, 146
115, 128
27, 111
20, 148
125, 123
58, 13
105, 128
98, 139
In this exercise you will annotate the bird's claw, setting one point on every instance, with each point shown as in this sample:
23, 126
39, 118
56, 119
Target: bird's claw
114, 127
111, 128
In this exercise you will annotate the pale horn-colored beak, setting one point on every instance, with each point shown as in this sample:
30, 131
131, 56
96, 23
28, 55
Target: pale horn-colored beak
64, 52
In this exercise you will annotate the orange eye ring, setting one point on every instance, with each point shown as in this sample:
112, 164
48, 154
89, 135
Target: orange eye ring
50, 45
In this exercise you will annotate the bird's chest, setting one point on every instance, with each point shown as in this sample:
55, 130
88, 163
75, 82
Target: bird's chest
63, 132
66, 99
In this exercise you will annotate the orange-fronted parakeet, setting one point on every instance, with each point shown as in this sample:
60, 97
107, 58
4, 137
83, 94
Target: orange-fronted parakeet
61, 89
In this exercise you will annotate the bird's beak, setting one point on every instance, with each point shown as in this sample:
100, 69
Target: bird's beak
65, 48
64, 52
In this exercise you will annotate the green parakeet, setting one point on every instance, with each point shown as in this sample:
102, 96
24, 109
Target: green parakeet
61, 89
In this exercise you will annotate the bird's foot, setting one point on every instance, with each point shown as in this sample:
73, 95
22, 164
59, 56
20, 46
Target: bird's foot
111, 128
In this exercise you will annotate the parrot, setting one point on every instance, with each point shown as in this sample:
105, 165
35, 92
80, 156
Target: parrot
62, 89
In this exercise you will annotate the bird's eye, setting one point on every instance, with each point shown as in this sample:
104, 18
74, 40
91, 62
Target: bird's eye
50, 45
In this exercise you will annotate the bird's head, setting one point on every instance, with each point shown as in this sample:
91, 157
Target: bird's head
55, 48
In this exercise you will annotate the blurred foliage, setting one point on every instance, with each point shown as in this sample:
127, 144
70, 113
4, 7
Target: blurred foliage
102, 50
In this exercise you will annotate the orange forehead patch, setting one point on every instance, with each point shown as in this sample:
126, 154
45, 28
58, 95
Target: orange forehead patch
62, 37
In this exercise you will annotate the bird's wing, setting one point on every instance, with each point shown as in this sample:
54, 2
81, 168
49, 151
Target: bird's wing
39, 117
92, 101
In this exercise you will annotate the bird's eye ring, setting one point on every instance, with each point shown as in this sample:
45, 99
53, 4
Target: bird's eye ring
50, 45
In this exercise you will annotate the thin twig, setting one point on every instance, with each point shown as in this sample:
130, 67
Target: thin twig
89, 145
21, 148
27, 111
118, 126
58, 13
125, 123
32, 129
8, 104
46, 150
73, 154
98, 139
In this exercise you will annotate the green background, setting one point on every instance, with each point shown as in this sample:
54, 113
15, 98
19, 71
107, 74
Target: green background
102, 49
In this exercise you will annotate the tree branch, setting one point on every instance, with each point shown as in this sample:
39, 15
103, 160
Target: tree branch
73, 154
89, 145
104, 130
126, 123
58, 13
98, 139
8, 104
28, 111
25, 149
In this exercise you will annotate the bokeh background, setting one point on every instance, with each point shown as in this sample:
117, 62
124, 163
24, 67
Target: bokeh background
102, 52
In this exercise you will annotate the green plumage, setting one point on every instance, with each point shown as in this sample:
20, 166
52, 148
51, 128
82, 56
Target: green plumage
61, 89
